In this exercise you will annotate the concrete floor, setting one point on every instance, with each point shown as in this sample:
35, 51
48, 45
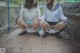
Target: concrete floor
30, 43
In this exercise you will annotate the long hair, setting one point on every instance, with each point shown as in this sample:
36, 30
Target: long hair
30, 4
50, 5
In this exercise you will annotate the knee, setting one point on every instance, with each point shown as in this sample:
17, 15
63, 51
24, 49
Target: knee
44, 25
19, 23
22, 24
35, 25
60, 25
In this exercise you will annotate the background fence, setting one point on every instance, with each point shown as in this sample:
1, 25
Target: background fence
14, 11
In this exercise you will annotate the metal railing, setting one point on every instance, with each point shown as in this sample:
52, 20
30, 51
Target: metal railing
14, 11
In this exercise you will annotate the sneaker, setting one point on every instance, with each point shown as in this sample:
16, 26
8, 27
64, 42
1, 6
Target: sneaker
37, 34
22, 33
45, 35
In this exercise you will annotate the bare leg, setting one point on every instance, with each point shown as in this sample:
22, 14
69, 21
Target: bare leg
59, 26
44, 25
23, 26
35, 24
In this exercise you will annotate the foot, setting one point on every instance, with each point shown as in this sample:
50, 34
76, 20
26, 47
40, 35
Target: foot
58, 35
45, 34
22, 33
37, 34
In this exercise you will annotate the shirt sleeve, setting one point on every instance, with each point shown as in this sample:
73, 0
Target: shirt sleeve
61, 15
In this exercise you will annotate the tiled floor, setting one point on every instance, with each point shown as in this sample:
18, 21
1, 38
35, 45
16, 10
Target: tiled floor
30, 43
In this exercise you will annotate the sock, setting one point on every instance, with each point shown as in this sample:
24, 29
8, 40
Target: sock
41, 31
52, 30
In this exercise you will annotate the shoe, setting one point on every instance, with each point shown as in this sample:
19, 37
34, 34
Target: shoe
45, 35
37, 34
22, 33
58, 35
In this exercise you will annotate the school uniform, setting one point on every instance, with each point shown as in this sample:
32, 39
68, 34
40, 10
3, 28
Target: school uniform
55, 15
28, 15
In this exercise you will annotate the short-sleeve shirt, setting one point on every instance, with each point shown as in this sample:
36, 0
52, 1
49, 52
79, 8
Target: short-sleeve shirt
29, 14
54, 15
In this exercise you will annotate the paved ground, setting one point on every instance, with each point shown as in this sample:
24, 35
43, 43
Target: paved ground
31, 43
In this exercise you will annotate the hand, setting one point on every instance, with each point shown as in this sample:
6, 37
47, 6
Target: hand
37, 19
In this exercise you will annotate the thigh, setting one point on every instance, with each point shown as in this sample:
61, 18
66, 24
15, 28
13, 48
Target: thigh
44, 24
60, 25
22, 23
36, 23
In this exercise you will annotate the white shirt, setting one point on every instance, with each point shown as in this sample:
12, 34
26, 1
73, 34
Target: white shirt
29, 14
54, 16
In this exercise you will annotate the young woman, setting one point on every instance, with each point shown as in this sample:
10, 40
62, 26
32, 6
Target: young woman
29, 15
53, 16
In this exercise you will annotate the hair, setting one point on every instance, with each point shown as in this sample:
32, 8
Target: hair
30, 4
50, 5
